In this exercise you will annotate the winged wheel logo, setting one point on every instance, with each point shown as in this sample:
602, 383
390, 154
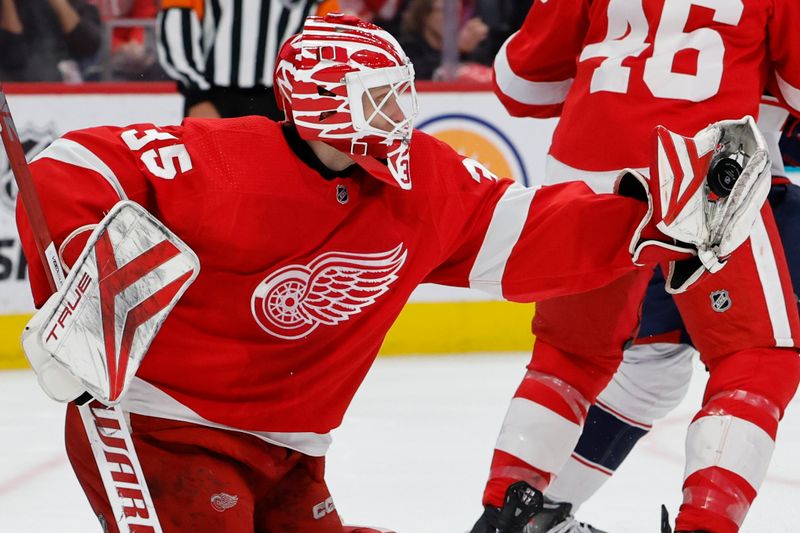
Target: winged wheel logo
296, 299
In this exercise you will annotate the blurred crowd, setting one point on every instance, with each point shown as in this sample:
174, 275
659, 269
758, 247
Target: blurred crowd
116, 40
78, 40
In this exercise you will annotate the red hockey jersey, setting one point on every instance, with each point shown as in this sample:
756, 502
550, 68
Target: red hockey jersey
615, 69
302, 276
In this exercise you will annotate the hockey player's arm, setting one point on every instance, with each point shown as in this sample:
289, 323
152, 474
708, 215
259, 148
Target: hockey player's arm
527, 244
784, 52
76, 188
535, 68
180, 49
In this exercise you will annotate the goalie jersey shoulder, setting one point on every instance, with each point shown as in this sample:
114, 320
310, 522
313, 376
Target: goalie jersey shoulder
177, 173
147, 163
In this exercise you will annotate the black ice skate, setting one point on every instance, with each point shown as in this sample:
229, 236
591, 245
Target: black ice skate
521, 503
557, 517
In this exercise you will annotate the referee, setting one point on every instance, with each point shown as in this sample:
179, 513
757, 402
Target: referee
222, 52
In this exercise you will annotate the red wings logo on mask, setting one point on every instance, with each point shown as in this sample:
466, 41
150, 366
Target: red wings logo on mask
294, 300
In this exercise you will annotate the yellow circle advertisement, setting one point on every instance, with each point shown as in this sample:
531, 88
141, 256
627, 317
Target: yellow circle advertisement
480, 140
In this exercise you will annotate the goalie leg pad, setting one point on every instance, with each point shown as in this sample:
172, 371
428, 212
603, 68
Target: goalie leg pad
730, 441
239, 481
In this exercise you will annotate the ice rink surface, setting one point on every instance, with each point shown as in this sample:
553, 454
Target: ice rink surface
412, 454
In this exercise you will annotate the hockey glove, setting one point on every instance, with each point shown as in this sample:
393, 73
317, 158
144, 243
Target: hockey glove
649, 246
93, 333
708, 191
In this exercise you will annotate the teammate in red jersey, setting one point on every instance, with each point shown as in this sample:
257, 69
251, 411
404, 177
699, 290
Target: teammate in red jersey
622, 68
306, 260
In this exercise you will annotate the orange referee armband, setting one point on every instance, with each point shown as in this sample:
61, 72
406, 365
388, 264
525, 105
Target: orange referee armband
197, 5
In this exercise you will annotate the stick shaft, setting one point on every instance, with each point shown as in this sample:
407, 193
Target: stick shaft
27, 193
106, 428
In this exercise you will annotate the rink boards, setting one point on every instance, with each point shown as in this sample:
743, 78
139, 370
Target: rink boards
437, 320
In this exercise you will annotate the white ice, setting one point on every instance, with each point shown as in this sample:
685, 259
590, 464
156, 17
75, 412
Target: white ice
412, 455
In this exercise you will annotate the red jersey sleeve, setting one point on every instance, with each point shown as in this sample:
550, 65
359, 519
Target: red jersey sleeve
526, 244
78, 179
462, 208
553, 33
784, 50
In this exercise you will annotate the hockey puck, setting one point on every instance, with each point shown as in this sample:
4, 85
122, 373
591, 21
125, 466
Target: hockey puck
723, 175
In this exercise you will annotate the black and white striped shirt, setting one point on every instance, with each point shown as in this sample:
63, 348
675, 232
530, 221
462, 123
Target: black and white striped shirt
226, 43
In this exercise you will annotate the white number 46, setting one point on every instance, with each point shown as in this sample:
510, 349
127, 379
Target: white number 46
160, 162
627, 36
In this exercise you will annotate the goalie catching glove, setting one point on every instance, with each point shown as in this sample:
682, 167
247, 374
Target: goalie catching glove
93, 333
705, 193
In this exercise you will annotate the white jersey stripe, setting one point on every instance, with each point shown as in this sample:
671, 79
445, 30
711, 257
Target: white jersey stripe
525, 91
771, 118
767, 268
72, 153
790, 93
146, 399
731, 443
510, 215
524, 422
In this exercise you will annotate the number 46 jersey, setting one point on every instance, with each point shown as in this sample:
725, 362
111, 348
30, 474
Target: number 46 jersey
614, 69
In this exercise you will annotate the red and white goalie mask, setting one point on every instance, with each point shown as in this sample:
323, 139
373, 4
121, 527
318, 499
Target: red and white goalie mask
349, 84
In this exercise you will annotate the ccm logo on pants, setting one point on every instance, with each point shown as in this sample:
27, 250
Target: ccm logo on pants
323, 508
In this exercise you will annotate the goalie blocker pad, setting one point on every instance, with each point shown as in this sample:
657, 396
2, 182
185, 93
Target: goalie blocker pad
93, 333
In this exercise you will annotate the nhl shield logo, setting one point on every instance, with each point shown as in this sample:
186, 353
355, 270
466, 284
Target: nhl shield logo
33, 141
720, 301
342, 196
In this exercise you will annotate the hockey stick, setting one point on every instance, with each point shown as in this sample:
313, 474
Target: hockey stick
106, 427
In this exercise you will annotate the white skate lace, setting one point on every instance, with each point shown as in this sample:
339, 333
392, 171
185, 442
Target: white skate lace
570, 525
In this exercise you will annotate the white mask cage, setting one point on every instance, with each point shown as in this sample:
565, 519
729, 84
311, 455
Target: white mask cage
383, 101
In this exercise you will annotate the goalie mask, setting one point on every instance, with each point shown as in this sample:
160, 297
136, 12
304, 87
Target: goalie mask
349, 84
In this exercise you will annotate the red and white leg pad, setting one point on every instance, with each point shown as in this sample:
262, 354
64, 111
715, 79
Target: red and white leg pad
726, 460
542, 426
